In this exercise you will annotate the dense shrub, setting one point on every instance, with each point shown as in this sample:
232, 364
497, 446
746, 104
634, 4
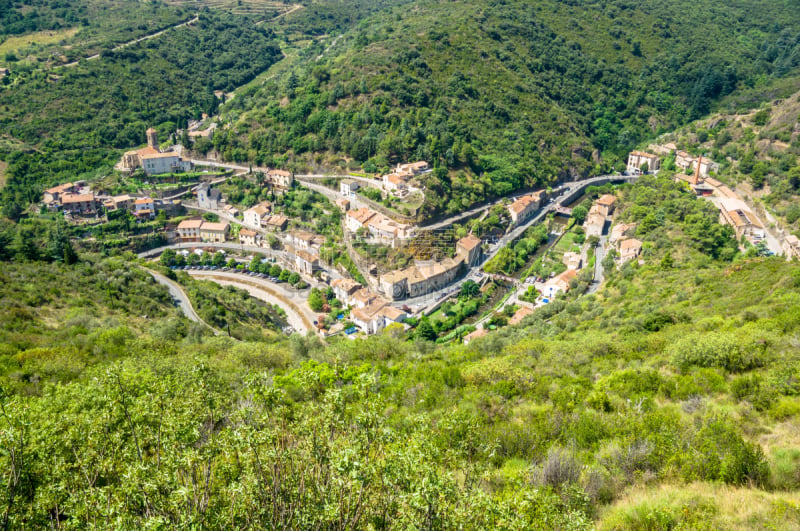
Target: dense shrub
715, 349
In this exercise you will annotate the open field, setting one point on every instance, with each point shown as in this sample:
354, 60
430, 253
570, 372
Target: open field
13, 44
3, 166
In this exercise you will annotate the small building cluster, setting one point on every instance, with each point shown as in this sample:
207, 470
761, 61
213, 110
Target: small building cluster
629, 249
279, 180
369, 311
424, 277
379, 228
524, 207
639, 159
791, 247
198, 230
738, 215
152, 160
399, 181
596, 220
78, 199
559, 284
261, 217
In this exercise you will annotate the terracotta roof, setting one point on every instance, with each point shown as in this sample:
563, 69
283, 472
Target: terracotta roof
247, 232
143, 201
260, 209
190, 224
362, 215
519, 315
151, 130
282, 173
392, 313
606, 200
60, 188
394, 277
522, 203
214, 227
308, 257
644, 154
469, 242
146, 151
76, 198
345, 284
275, 220
303, 236
167, 155
630, 243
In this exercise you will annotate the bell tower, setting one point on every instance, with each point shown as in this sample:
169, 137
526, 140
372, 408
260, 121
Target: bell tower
152, 138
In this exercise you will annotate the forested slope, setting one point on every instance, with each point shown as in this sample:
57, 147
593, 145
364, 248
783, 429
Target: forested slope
77, 118
513, 93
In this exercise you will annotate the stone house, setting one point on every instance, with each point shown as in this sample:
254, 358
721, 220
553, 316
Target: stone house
249, 237
189, 230
214, 232
253, 217
524, 207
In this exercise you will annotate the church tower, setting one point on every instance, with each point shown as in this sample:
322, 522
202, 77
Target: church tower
152, 138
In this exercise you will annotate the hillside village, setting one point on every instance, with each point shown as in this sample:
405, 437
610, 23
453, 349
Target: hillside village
207, 223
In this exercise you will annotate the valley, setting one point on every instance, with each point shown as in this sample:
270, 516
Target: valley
383, 264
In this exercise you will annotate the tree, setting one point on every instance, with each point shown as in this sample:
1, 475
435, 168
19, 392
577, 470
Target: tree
167, 257
579, 214
470, 289
294, 278
667, 262
218, 260
59, 248
284, 275
275, 270
315, 300
25, 244
425, 330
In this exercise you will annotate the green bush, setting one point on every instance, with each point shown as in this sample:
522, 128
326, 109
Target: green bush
718, 453
715, 349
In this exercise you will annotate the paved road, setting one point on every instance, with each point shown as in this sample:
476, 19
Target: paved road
599, 255
333, 195
183, 299
135, 41
566, 195
198, 162
293, 302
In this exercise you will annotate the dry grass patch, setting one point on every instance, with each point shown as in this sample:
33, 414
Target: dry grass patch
13, 44
702, 506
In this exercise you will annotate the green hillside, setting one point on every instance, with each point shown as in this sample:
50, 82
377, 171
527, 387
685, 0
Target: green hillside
510, 94
77, 119
758, 148
668, 399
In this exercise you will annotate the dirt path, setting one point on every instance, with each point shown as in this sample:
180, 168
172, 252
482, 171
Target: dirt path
287, 12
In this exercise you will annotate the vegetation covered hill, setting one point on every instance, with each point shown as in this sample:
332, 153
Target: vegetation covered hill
511, 94
758, 149
76, 119
668, 399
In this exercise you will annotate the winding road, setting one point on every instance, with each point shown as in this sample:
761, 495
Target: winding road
182, 299
293, 302
136, 41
